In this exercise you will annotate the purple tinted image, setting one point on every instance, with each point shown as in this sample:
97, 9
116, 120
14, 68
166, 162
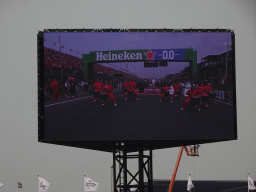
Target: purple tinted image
139, 86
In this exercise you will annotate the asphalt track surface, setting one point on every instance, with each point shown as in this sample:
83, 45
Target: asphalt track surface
146, 118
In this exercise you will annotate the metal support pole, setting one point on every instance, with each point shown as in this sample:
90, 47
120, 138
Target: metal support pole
125, 170
248, 179
150, 170
120, 170
120, 179
61, 72
141, 173
220, 75
112, 183
114, 170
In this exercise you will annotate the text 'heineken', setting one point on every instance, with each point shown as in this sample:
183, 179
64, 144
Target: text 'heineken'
120, 56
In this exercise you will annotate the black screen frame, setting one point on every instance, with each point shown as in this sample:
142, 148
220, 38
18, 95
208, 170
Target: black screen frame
129, 145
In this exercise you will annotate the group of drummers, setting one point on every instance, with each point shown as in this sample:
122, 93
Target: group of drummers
104, 91
165, 90
195, 95
200, 94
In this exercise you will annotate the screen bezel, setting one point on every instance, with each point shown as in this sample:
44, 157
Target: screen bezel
129, 145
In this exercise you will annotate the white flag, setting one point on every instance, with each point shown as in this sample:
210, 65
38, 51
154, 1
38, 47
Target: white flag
190, 184
90, 185
251, 184
43, 185
1, 185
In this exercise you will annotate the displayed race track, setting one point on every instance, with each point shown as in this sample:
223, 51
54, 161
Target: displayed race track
146, 118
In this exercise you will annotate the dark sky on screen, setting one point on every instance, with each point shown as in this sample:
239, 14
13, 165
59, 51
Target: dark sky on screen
78, 43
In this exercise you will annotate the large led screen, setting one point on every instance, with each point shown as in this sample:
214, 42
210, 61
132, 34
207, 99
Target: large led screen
138, 86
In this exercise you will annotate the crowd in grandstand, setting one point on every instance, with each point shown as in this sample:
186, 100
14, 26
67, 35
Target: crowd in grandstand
54, 60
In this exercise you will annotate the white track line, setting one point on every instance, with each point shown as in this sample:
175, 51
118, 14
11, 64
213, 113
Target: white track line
71, 100
223, 102
66, 101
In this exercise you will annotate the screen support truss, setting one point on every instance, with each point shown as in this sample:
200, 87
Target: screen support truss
145, 167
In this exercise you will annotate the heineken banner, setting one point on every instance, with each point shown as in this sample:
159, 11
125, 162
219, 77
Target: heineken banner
144, 54
134, 55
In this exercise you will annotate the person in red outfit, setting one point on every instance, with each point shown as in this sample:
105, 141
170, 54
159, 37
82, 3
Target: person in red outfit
125, 88
97, 86
131, 87
108, 88
69, 87
165, 89
200, 89
55, 89
208, 88
72, 87
191, 93
202, 93
176, 88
